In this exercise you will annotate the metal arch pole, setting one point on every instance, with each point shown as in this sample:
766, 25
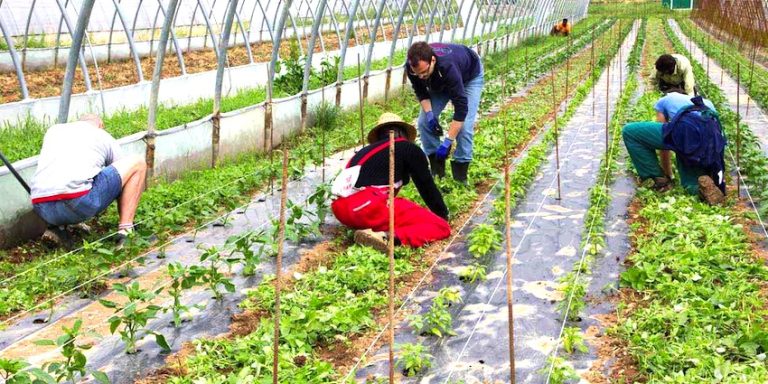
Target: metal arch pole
265, 20
335, 23
191, 25
16, 61
26, 33
173, 37
474, 25
136, 17
222, 59
309, 14
245, 37
250, 20
296, 33
317, 21
274, 19
443, 19
397, 33
210, 29
74, 53
415, 29
155, 90
111, 30
431, 23
376, 26
391, 20
343, 54
154, 27
365, 17
131, 43
273, 62
58, 39
350, 16
458, 16
493, 22
80, 56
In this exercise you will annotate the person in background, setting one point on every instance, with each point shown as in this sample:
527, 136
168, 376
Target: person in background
674, 72
362, 189
561, 29
440, 73
81, 171
694, 136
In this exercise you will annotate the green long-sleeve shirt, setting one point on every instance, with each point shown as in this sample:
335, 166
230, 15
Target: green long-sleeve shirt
683, 75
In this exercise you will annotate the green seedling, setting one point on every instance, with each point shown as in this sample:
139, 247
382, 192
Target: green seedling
472, 273
413, 359
562, 371
320, 199
573, 292
19, 372
437, 321
296, 229
211, 276
73, 367
181, 281
244, 245
134, 315
573, 340
484, 239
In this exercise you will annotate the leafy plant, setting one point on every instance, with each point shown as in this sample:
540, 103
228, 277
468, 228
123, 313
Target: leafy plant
74, 363
437, 321
472, 273
297, 229
573, 290
413, 359
484, 239
134, 315
211, 276
181, 280
320, 199
244, 245
573, 340
562, 371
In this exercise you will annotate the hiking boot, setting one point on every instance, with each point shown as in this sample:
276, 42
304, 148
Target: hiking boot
460, 171
709, 192
658, 184
437, 166
369, 238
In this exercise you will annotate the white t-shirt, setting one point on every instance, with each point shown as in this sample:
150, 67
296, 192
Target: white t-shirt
71, 156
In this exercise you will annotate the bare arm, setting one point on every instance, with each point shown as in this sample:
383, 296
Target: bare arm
426, 105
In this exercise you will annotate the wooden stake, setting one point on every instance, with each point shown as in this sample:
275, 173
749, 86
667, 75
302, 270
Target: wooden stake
592, 66
751, 73
557, 133
508, 231
361, 101
607, 104
391, 253
709, 44
738, 129
279, 266
567, 67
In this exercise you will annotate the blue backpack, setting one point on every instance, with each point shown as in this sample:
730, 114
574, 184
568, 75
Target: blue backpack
696, 136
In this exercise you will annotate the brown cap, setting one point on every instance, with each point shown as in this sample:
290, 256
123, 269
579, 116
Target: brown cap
388, 120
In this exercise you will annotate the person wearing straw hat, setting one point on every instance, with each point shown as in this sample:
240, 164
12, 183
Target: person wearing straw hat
439, 73
361, 190
81, 171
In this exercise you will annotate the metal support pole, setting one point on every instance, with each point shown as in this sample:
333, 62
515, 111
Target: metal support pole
15, 174
152, 113
16, 62
74, 54
131, 43
222, 59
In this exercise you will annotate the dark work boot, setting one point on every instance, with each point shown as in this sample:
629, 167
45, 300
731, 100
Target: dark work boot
436, 165
460, 171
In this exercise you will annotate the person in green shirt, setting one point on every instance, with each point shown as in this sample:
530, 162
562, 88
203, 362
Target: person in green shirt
674, 71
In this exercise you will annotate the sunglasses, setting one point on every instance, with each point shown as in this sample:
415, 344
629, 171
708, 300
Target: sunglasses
423, 74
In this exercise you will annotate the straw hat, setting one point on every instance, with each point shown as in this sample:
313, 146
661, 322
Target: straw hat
388, 120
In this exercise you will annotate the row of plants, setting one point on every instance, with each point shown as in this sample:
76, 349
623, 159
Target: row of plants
753, 162
131, 322
327, 295
169, 208
698, 315
574, 284
754, 77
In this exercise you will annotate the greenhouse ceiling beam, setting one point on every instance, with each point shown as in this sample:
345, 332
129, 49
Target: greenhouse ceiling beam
317, 21
155, 90
223, 47
16, 61
73, 34
74, 53
347, 34
131, 43
179, 56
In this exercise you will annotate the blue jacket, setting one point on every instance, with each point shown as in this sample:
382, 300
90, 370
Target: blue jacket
456, 65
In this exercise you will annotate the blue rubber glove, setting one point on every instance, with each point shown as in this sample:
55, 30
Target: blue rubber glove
433, 126
444, 149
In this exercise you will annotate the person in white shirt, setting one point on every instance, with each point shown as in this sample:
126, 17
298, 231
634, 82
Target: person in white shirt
81, 171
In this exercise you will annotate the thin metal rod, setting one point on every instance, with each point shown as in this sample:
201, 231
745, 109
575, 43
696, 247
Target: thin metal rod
15, 174
74, 54
361, 101
131, 43
16, 62
279, 267
391, 254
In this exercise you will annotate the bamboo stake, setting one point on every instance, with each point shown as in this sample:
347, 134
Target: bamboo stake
391, 254
592, 67
279, 266
607, 104
508, 232
751, 73
567, 67
738, 129
557, 133
361, 101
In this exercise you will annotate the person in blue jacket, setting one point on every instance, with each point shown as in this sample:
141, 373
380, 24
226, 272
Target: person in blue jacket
440, 73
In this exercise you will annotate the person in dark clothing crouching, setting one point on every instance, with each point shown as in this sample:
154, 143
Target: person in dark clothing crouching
440, 73
361, 190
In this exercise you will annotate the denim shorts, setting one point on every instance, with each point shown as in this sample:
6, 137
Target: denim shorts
106, 188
